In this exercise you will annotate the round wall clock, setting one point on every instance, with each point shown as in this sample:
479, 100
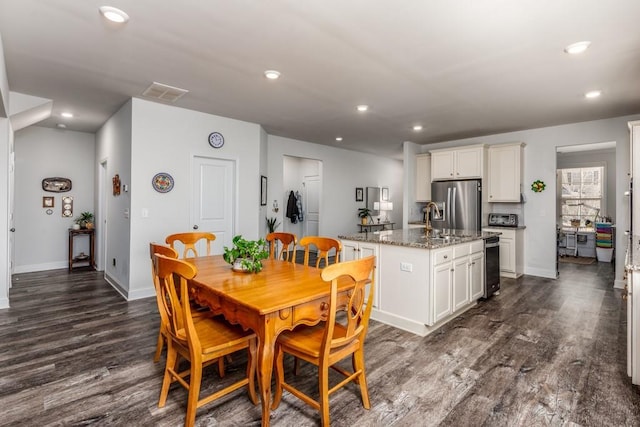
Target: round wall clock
216, 140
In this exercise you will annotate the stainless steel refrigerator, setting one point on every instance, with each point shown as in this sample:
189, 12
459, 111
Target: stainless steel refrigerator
460, 204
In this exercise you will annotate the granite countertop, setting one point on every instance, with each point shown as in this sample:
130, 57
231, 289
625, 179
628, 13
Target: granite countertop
415, 237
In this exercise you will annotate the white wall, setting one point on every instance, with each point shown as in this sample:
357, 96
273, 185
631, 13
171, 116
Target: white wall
580, 159
6, 146
540, 163
113, 145
342, 171
165, 139
40, 240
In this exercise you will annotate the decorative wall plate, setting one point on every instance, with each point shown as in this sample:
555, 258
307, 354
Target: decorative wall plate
56, 184
162, 182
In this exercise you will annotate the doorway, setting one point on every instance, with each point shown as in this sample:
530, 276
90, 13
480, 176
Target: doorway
303, 177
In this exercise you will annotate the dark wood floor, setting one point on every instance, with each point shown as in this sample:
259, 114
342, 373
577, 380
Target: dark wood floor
543, 352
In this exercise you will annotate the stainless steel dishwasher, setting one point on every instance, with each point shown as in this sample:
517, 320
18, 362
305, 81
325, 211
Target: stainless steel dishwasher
492, 266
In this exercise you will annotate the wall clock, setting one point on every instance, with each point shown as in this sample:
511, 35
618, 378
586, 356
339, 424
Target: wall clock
216, 140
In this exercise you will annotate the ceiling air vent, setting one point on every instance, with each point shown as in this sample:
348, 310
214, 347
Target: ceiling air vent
164, 92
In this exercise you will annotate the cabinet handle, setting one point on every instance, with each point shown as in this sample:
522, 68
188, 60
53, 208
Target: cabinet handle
452, 269
446, 256
491, 197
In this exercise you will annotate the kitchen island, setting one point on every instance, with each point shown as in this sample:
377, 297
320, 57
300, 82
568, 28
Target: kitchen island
422, 282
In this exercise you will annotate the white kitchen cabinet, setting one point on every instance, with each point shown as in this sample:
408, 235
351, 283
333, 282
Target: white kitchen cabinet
505, 172
352, 250
423, 178
511, 251
460, 274
458, 163
441, 280
476, 275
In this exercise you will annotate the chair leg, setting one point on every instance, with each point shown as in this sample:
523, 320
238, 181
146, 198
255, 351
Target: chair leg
296, 366
323, 388
221, 367
195, 379
277, 393
159, 346
251, 371
172, 356
358, 360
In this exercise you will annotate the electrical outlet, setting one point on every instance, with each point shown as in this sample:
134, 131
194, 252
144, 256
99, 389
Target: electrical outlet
114, 262
405, 266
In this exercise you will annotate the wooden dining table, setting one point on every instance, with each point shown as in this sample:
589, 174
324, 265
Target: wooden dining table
280, 297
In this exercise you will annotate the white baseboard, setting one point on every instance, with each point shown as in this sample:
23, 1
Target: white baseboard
541, 272
413, 326
115, 285
141, 293
619, 284
4, 303
40, 267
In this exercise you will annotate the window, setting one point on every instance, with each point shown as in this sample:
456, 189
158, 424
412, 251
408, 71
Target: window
582, 196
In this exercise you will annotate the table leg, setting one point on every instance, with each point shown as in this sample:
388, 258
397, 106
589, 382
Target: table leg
266, 346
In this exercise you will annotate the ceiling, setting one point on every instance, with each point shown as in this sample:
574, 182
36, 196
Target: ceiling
460, 68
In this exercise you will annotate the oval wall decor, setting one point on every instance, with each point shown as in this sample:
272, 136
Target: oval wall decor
162, 182
56, 184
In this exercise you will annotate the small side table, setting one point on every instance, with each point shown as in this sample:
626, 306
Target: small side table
73, 259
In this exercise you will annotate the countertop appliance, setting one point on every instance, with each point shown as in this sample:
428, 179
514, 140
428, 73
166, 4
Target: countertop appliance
503, 220
459, 203
492, 266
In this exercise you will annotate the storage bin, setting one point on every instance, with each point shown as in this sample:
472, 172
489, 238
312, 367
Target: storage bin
604, 254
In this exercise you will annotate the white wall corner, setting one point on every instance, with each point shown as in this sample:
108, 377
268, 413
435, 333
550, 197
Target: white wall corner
27, 110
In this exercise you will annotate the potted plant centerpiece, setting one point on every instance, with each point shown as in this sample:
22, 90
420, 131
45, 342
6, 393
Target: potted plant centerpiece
364, 213
85, 220
246, 255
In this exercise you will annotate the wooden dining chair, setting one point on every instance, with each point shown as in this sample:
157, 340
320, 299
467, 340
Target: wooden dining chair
339, 337
155, 248
189, 241
201, 341
323, 246
288, 241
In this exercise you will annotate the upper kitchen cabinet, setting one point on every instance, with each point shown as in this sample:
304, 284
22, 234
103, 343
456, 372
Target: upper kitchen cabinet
457, 163
423, 178
505, 172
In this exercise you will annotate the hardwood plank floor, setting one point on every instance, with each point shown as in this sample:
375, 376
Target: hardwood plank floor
543, 352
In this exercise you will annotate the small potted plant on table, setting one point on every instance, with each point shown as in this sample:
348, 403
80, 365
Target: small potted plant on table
246, 255
85, 220
364, 213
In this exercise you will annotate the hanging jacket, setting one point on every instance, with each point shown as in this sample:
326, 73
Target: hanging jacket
299, 206
292, 208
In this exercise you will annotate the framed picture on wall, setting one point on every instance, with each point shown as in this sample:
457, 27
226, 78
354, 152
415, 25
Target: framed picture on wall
47, 201
263, 191
359, 194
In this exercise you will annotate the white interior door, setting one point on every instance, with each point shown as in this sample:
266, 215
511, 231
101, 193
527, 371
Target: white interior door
12, 163
213, 200
311, 205
104, 185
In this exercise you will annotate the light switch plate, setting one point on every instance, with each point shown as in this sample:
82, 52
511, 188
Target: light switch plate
405, 266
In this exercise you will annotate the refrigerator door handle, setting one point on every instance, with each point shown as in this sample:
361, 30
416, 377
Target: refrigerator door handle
447, 212
453, 209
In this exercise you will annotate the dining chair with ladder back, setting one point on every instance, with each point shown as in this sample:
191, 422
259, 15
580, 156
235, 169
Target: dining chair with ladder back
200, 341
288, 241
323, 246
196, 310
189, 241
330, 342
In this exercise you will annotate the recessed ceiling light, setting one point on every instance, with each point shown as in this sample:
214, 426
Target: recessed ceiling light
67, 115
272, 74
114, 14
578, 47
362, 108
593, 94
61, 125
338, 138
417, 128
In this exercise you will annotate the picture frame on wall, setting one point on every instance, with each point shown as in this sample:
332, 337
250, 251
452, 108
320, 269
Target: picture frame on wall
47, 201
359, 194
263, 190
385, 194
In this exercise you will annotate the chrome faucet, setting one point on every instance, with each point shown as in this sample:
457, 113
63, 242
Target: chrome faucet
428, 228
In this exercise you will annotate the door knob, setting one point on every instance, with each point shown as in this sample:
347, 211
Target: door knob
195, 227
12, 229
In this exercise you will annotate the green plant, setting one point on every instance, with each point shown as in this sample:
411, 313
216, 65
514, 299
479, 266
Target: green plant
364, 213
249, 252
272, 224
84, 219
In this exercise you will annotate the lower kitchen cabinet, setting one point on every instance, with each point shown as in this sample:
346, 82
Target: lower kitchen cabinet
511, 251
476, 274
352, 250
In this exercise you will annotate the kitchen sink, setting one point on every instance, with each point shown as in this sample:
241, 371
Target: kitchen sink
443, 239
